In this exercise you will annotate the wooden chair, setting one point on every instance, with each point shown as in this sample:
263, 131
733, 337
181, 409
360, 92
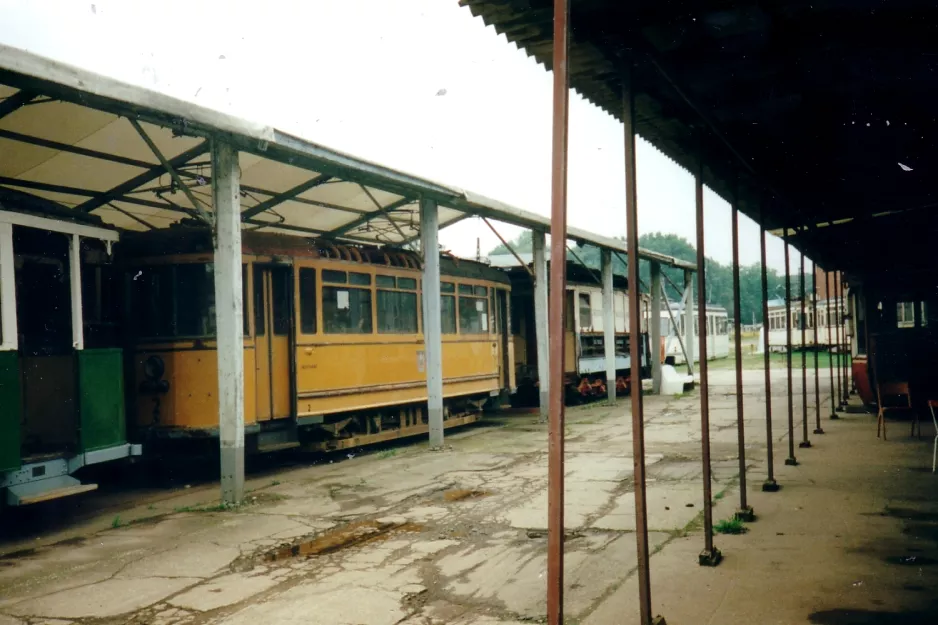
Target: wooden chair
895, 389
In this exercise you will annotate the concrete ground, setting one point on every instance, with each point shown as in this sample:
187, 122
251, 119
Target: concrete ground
412, 537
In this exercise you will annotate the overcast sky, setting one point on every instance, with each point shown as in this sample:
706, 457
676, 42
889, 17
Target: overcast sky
419, 85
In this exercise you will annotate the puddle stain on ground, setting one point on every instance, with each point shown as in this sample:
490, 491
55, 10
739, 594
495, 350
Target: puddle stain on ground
461, 494
912, 560
351, 535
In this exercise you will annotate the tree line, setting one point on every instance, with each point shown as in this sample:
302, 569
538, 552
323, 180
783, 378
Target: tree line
719, 277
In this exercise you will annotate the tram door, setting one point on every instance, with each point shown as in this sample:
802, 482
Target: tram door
272, 338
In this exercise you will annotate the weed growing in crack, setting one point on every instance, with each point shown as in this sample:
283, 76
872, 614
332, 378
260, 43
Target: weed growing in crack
730, 526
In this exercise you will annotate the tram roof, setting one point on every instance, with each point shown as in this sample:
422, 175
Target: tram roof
818, 114
68, 136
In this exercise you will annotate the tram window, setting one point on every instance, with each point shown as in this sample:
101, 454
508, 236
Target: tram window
336, 277
409, 284
152, 295
308, 300
448, 313
359, 279
385, 281
473, 315
346, 311
586, 311
195, 301
465, 289
923, 309
447, 287
481, 291
905, 314
260, 325
280, 291
397, 312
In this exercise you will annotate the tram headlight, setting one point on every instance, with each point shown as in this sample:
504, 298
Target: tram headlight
154, 368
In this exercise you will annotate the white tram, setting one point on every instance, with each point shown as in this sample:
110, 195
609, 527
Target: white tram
814, 336
673, 332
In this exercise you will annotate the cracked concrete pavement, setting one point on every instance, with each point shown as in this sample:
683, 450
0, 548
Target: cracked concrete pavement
408, 536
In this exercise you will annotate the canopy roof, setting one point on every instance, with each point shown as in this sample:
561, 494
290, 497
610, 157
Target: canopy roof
818, 114
140, 160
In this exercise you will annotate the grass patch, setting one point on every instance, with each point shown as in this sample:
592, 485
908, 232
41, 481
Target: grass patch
720, 495
116, 522
387, 453
730, 526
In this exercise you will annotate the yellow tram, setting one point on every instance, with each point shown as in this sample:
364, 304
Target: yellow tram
333, 346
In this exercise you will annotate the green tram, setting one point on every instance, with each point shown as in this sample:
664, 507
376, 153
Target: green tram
62, 403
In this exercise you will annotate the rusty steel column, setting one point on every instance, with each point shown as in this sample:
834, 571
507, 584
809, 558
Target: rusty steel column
769, 485
710, 556
845, 310
744, 513
790, 460
838, 322
830, 341
817, 383
558, 287
635, 350
805, 443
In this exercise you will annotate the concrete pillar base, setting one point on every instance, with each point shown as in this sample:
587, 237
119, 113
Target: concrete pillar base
746, 515
792, 462
770, 486
804, 444
710, 558
659, 620
834, 416
818, 431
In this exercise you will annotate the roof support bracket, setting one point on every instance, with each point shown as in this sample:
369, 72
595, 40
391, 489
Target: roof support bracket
383, 211
196, 203
509, 246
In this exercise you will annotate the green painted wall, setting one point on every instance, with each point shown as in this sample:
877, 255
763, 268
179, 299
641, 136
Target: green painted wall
10, 411
101, 398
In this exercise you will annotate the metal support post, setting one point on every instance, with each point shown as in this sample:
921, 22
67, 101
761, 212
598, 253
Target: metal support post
845, 342
558, 286
790, 460
609, 325
635, 352
432, 324
655, 320
540, 319
838, 324
745, 512
710, 556
830, 342
8, 331
817, 383
74, 267
689, 318
226, 198
769, 485
805, 443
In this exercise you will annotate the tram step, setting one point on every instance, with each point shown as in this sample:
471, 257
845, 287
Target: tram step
270, 447
46, 490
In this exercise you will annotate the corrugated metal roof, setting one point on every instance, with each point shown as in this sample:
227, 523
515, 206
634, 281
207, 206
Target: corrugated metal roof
96, 146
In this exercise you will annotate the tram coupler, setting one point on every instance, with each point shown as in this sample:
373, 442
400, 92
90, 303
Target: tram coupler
710, 558
770, 486
746, 515
792, 462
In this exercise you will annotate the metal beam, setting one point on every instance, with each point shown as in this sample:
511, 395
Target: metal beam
384, 212
655, 321
609, 326
196, 203
769, 485
16, 101
365, 218
432, 323
635, 354
289, 194
73, 149
677, 328
228, 311
558, 287
140, 180
830, 341
541, 302
509, 247
710, 556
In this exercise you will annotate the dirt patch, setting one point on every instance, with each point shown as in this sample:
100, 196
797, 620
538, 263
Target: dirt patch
353, 534
461, 494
